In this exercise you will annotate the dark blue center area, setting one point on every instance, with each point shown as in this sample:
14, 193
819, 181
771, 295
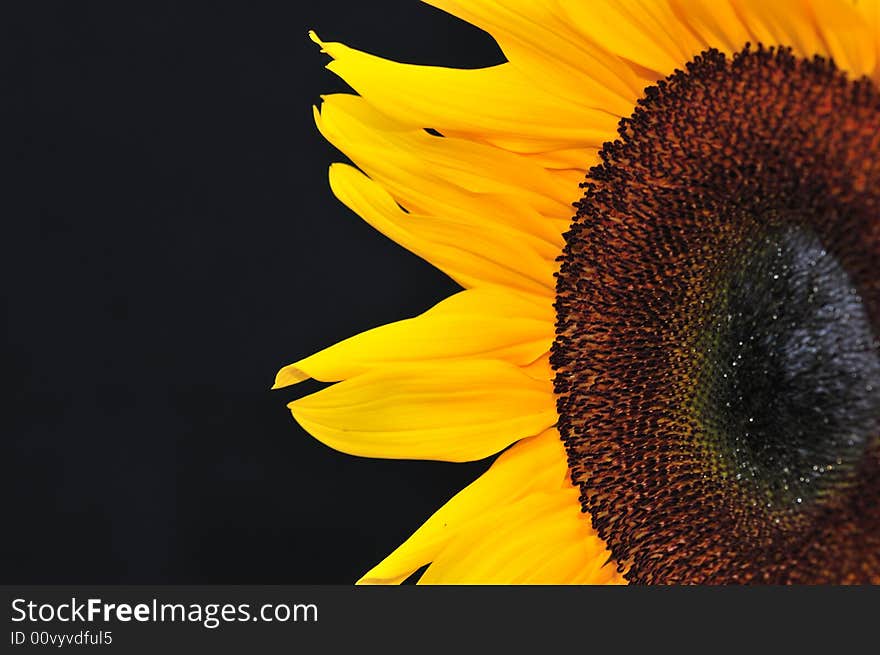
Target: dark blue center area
789, 392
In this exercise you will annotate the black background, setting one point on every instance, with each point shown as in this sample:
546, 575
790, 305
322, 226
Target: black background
175, 242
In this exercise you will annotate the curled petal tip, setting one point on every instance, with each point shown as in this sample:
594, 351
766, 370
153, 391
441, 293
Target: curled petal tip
289, 375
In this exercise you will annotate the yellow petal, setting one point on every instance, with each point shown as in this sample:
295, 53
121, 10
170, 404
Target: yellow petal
577, 159
495, 104
716, 24
848, 37
870, 12
421, 170
483, 323
453, 411
469, 254
540, 42
540, 369
782, 22
532, 465
570, 565
540, 539
645, 32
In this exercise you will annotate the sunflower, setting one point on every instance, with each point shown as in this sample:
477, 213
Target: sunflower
665, 217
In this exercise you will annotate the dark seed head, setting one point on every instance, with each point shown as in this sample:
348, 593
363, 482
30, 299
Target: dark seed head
718, 311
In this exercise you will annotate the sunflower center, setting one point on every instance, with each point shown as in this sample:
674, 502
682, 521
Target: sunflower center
718, 310
787, 391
